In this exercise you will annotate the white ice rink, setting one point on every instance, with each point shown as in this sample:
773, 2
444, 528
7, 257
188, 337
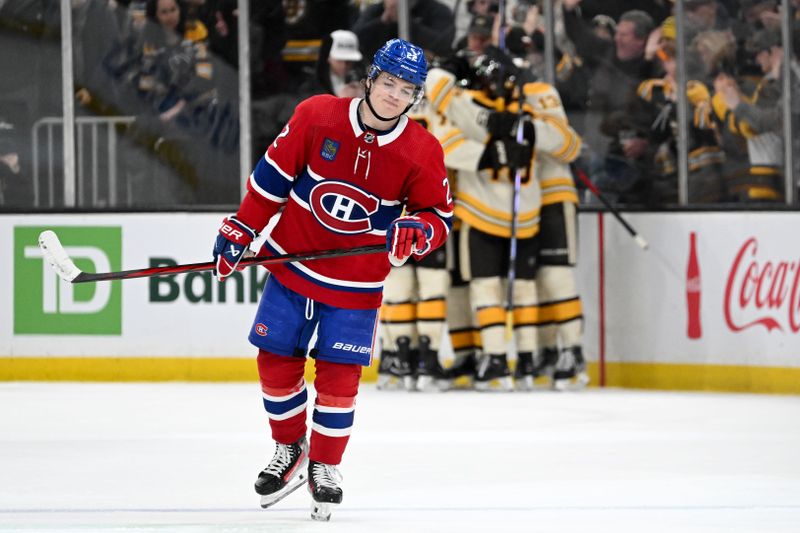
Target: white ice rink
183, 457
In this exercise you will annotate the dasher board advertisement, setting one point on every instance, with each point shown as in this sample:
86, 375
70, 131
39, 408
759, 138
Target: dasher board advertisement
185, 315
713, 288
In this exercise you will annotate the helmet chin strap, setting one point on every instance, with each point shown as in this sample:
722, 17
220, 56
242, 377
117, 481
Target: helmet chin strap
372, 109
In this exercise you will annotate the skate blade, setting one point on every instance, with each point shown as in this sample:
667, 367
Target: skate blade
389, 383
504, 384
524, 384
321, 511
410, 383
268, 500
575, 384
431, 384
458, 383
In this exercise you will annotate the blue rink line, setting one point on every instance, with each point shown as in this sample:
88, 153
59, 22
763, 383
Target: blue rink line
423, 509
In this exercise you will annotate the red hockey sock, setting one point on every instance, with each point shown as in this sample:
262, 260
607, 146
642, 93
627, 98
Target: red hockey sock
285, 396
334, 408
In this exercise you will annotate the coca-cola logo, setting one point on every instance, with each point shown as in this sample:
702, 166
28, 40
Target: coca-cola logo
762, 292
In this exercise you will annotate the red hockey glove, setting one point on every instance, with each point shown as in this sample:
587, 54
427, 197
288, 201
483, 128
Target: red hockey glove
408, 235
231, 244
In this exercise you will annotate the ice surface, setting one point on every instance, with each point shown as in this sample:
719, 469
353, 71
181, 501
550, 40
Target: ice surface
183, 458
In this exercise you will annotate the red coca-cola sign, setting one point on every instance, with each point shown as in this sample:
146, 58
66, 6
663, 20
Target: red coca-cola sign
762, 292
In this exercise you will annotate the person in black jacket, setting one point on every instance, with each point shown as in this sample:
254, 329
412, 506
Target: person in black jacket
431, 22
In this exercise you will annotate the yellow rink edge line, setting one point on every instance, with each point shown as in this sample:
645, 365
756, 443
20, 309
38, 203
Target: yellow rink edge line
657, 376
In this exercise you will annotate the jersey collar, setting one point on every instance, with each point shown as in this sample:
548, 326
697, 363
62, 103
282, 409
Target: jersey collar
383, 138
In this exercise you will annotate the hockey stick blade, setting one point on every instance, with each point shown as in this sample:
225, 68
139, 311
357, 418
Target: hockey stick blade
57, 257
55, 254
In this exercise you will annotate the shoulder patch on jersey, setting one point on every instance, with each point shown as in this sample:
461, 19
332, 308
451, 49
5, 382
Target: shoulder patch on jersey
329, 149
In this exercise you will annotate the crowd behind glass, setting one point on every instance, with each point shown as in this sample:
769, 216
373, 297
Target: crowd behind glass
156, 91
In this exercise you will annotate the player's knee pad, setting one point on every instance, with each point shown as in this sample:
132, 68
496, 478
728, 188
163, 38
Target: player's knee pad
400, 285
459, 313
486, 292
280, 372
556, 283
398, 313
432, 283
337, 380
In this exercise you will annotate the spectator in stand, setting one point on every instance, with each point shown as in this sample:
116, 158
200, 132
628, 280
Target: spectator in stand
307, 23
339, 68
653, 118
478, 37
704, 15
431, 26
616, 70
759, 119
11, 186
657, 9
95, 34
168, 80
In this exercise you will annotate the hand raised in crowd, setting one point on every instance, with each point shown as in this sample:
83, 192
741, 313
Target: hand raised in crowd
172, 112
653, 43
11, 161
221, 26
634, 147
569, 5
728, 90
771, 20
389, 15
533, 20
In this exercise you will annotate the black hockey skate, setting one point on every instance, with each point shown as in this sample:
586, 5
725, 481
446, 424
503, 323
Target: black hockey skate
545, 364
523, 372
284, 474
395, 370
430, 375
323, 484
493, 374
464, 366
570, 372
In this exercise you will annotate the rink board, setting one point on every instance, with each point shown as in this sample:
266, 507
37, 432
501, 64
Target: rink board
188, 327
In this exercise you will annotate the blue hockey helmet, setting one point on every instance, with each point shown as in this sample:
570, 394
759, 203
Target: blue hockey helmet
400, 59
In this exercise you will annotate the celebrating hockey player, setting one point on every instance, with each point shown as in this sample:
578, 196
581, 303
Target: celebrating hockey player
343, 170
414, 309
484, 198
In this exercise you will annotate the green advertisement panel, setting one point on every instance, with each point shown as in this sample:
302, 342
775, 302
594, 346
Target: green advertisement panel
46, 305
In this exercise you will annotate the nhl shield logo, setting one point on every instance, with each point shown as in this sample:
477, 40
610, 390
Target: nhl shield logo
329, 149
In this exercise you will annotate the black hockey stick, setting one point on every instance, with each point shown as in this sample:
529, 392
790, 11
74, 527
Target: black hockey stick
55, 254
592, 187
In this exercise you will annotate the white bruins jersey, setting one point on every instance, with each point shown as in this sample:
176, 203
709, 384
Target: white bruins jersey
484, 198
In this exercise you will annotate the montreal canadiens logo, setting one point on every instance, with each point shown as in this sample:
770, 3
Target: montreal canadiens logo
342, 208
261, 329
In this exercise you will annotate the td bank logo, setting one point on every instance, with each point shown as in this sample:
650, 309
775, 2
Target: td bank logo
45, 304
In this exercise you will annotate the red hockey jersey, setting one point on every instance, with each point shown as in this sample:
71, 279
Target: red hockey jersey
340, 186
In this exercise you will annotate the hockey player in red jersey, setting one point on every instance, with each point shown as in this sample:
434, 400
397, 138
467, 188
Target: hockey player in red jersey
342, 173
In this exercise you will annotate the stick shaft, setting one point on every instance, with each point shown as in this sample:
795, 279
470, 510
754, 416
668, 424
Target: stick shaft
582, 176
85, 277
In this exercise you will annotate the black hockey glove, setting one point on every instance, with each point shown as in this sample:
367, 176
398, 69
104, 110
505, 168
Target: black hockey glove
502, 124
500, 153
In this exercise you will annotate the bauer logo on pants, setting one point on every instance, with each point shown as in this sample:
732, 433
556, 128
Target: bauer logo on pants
46, 305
